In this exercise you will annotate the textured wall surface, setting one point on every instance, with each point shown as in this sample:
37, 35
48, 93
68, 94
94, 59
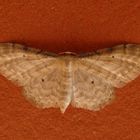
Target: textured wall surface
69, 25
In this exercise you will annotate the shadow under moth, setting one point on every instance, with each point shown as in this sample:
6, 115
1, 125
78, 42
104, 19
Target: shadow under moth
84, 81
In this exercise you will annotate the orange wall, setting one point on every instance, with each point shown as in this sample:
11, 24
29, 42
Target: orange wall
69, 25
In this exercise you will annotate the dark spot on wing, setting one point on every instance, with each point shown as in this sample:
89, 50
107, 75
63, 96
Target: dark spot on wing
110, 49
97, 52
42, 80
40, 51
25, 48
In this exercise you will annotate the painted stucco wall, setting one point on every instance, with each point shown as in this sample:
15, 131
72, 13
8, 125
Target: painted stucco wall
69, 25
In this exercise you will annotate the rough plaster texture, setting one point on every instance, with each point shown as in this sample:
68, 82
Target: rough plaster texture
69, 25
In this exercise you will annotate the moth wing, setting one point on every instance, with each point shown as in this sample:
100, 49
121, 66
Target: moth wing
43, 78
96, 76
90, 91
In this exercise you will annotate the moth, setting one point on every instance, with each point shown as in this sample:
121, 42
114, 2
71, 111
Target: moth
84, 81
